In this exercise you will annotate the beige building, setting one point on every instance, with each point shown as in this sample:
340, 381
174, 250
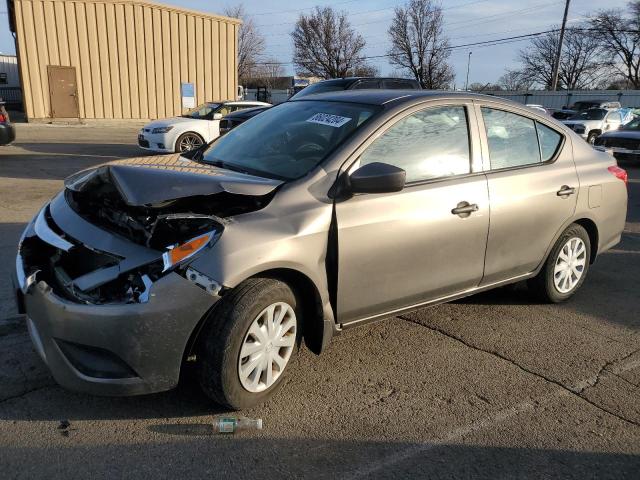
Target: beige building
120, 59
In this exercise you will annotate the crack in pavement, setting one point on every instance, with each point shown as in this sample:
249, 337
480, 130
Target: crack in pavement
576, 391
26, 392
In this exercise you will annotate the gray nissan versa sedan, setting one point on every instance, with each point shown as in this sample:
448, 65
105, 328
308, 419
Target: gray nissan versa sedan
315, 216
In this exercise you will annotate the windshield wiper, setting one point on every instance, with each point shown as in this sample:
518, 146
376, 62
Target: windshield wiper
245, 170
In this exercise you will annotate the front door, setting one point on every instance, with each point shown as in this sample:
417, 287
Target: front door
63, 92
401, 249
533, 187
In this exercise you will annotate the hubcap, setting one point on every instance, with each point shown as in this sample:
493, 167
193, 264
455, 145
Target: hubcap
267, 347
189, 142
570, 265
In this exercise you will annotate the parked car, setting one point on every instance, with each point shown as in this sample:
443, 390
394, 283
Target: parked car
7, 130
563, 114
318, 215
583, 105
234, 119
358, 83
191, 130
591, 123
623, 144
567, 112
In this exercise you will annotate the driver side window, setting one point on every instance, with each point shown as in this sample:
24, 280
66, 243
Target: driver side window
429, 144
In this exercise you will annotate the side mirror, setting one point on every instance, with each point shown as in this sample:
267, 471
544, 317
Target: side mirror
217, 116
377, 177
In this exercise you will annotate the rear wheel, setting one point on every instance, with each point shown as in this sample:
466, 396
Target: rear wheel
566, 267
591, 138
251, 339
188, 141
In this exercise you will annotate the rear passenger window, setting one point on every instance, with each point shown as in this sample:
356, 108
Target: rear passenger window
549, 141
364, 84
513, 141
432, 143
398, 85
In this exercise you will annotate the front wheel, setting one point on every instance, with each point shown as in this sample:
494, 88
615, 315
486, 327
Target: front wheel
188, 141
251, 339
566, 267
591, 138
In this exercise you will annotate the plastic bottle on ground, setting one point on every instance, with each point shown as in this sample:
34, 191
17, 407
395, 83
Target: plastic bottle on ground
235, 424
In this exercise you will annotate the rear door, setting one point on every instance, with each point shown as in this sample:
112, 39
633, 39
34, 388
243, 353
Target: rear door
533, 188
404, 248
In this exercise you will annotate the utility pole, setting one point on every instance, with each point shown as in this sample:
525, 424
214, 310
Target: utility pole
556, 63
466, 83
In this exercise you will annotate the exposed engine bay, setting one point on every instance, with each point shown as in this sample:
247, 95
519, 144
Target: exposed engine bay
106, 238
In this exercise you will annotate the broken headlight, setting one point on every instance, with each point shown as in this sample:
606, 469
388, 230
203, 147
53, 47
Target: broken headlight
179, 253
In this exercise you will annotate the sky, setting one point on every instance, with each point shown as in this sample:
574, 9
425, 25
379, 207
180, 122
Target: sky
466, 21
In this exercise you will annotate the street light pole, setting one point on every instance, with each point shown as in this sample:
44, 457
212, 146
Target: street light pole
556, 63
466, 83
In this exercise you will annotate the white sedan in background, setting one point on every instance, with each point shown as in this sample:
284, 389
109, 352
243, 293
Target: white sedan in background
198, 126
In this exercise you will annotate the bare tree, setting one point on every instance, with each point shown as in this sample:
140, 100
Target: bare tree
484, 87
619, 36
250, 42
514, 80
582, 64
325, 45
418, 43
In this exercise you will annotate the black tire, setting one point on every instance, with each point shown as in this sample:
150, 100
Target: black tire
591, 138
181, 139
543, 285
224, 334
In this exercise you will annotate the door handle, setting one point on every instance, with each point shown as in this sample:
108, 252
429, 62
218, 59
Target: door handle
464, 209
565, 191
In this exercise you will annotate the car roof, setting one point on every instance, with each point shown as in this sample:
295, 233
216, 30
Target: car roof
385, 96
248, 112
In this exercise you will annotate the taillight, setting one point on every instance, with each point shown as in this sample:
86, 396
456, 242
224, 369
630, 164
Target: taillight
619, 173
3, 118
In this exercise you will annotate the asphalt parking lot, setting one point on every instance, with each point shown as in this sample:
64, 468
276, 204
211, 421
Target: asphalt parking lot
493, 386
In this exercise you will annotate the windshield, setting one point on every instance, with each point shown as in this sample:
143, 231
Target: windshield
322, 87
632, 125
288, 141
593, 114
202, 111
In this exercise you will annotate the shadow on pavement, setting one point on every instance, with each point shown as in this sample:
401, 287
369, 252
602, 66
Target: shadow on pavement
56, 161
248, 456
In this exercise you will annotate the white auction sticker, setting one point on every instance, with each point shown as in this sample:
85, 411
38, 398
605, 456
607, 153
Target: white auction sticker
328, 119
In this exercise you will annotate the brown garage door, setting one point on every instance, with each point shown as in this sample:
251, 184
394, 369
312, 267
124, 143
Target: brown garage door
63, 92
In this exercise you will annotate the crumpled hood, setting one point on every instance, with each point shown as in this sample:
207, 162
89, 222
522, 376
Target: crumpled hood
147, 181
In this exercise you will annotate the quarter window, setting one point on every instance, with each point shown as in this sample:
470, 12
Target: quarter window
429, 144
549, 141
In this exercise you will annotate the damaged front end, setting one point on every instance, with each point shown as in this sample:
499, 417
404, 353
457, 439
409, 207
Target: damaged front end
117, 229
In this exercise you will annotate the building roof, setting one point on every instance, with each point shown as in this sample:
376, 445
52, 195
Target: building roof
160, 6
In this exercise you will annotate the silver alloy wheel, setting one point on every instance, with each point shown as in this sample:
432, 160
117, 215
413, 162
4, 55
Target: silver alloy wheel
570, 264
267, 347
189, 141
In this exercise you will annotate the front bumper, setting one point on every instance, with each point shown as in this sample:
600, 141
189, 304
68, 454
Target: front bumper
111, 348
144, 344
158, 142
